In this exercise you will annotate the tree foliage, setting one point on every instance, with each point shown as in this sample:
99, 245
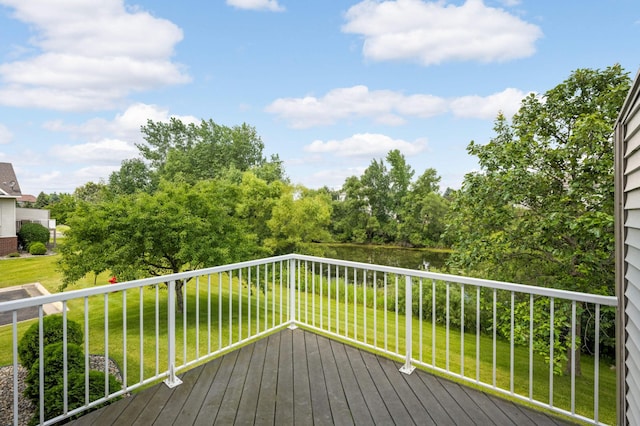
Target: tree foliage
540, 210
385, 205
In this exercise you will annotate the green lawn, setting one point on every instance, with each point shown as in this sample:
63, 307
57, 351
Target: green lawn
208, 332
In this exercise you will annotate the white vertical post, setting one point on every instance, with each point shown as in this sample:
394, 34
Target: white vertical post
407, 368
292, 294
172, 381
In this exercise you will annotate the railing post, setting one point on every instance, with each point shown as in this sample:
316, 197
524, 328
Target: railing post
172, 381
292, 294
407, 368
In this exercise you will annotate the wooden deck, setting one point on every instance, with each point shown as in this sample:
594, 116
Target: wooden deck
297, 377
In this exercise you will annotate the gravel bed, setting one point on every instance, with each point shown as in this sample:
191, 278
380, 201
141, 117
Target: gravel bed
26, 409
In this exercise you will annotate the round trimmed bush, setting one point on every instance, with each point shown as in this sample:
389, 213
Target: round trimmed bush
37, 248
32, 232
75, 393
53, 368
28, 347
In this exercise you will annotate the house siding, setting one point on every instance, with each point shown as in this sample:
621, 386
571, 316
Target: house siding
627, 175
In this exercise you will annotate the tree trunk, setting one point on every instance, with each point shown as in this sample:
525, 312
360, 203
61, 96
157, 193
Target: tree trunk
179, 301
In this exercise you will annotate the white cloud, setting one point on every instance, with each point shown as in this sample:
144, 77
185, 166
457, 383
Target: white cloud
487, 107
5, 134
109, 151
366, 145
125, 125
89, 55
271, 5
383, 106
435, 32
388, 107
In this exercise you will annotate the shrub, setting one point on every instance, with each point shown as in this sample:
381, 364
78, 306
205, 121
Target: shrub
28, 347
37, 248
14, 254
53, 368
53, 403
31, 233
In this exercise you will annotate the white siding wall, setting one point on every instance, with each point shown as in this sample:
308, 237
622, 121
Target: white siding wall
7, 217
627, 145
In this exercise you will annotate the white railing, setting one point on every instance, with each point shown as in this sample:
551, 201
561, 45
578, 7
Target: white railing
479, 331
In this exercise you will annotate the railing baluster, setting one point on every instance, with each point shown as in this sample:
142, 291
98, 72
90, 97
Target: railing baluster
531, 347
14, 335
106, 344
478, 334
511, 343
220, 311
385, 313
240, 305
462, 330
329, 297
157, 331
573, 357
433, 323
364, 303
447, 314
375, 308
209, 313
65, 361
396, 318
141, 307
321, 299
407, 368
337, 300
596, 367
41, 361
124, 338
495, 327
306, 292
86, 347
551, 347
172, 380
313, 292
421, 320
249, 293
197, 318
346, 303
184, 321
355, 304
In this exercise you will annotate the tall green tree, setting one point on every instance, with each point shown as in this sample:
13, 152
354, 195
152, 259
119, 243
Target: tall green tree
178, 227
540, 210
300, 218
197, 152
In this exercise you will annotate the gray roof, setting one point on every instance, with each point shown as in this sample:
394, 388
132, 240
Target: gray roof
8, 180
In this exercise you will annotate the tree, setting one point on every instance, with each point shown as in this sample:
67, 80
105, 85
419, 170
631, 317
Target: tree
179, 227
134, 175
197, 152
300, 217
423, 212
540, 210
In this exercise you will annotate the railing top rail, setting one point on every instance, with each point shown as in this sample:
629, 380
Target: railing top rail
501, 285
520, 288
125, 285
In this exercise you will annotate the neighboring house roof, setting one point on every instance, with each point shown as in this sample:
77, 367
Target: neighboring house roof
26, 198
8, 181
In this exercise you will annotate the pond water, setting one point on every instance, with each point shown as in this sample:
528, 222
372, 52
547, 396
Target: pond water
389, 256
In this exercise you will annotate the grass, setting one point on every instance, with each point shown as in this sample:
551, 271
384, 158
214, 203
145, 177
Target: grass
132, 340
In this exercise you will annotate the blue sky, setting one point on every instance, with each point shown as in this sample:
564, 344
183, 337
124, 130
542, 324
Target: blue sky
329, 85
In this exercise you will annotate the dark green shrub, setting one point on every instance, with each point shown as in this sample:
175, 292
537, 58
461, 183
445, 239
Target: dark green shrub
53, 368
53, 403
28, 347
37, 248
31, 233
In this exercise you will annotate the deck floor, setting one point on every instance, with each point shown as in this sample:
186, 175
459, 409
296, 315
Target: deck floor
298, 377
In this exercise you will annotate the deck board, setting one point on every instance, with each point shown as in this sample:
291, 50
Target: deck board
298, 377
